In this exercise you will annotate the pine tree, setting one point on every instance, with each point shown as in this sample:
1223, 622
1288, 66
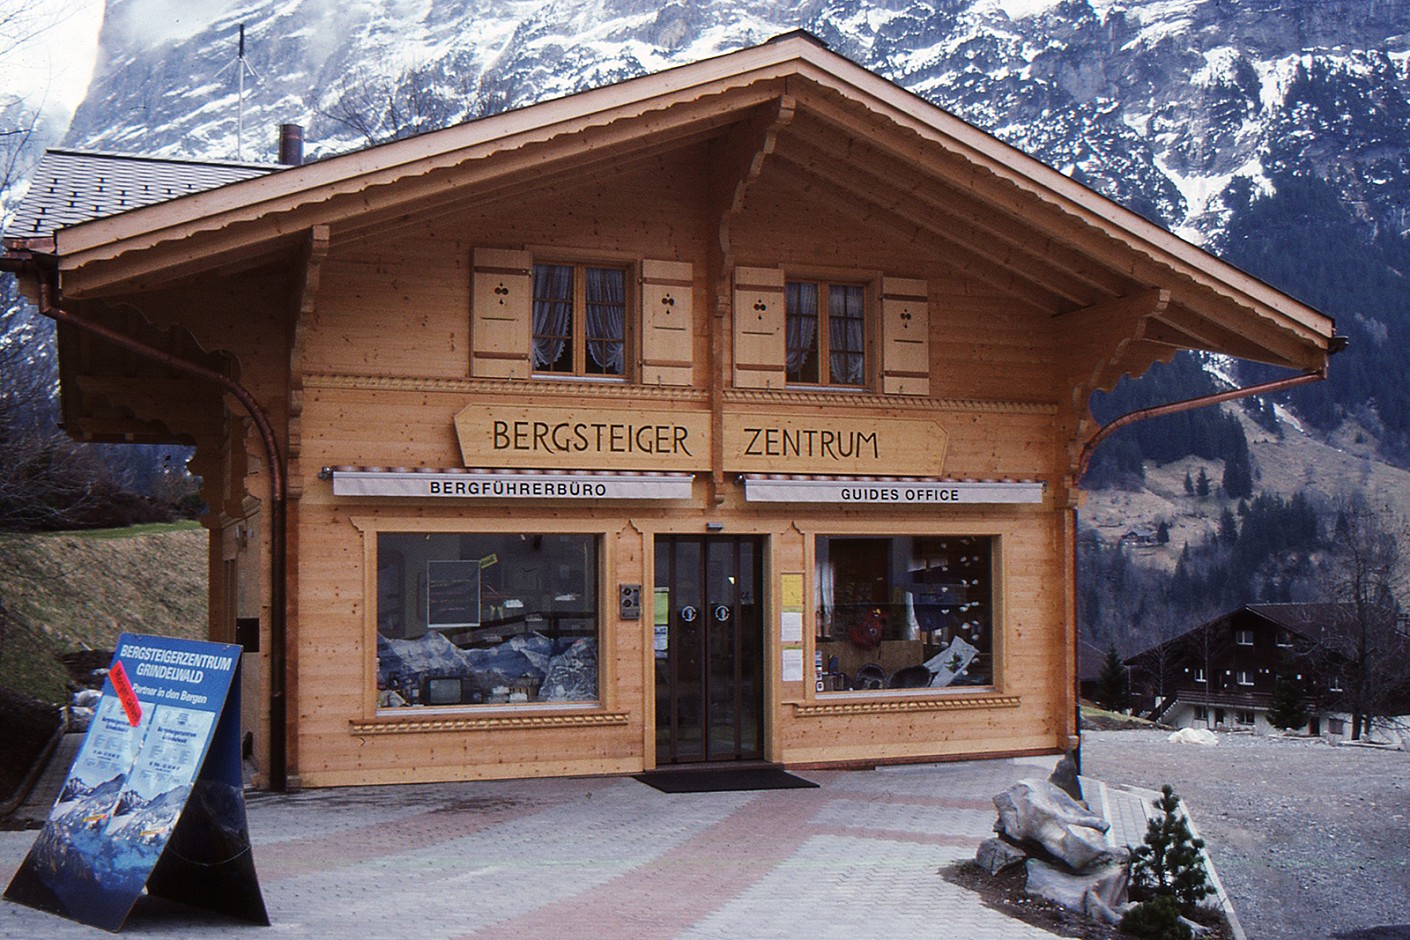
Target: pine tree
1202, 484
1168, 862
1113, 692
1189, 484
1288, 709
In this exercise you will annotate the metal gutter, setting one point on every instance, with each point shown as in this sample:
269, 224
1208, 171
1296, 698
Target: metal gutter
48, 278
1189, 404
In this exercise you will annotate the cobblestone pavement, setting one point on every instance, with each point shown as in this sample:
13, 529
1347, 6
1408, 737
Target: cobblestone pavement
1310, 840
608, 857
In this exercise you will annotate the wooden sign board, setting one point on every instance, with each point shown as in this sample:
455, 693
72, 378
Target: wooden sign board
551, 437
817, 442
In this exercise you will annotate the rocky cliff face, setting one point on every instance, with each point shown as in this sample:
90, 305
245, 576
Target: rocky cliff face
1158, 103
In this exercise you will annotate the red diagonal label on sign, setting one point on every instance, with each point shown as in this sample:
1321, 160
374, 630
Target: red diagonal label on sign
125, 694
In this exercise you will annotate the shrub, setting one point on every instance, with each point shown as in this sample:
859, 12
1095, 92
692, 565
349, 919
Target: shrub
1158, 918
1168, 862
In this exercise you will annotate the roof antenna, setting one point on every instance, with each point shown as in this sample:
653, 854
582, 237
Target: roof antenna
241, 67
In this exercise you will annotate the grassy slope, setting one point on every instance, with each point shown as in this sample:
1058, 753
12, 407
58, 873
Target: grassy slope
1297, 462
75, 590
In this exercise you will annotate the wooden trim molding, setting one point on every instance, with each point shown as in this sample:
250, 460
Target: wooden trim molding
496, 722
539, 388
785, 397
883, 706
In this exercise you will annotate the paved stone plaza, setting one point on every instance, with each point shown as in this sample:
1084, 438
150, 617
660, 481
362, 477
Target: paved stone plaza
608, 857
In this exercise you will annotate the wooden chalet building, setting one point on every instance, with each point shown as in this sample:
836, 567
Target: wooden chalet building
1223, 674
730, 413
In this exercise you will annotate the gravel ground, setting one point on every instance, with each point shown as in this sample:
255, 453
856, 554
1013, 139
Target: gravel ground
1310, 840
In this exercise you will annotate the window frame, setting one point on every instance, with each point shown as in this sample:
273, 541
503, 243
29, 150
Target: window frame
998, 537
580, 264
870, 316
370, 527
1243, 677
1243, 636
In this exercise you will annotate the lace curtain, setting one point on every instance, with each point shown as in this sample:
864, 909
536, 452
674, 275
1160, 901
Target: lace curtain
606, 320
801, 302
845, 335
553, 316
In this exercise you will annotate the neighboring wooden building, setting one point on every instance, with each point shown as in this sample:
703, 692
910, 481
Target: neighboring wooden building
1223, 674
728, 413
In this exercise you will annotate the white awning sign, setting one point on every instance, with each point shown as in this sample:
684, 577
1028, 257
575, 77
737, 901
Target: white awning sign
900, 492
517, 485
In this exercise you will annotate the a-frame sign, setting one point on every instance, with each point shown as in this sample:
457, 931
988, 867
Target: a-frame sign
155, 798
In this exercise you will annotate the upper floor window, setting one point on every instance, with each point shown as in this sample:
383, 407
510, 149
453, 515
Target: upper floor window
1243, 637
826, 335
1243, 677
579, 320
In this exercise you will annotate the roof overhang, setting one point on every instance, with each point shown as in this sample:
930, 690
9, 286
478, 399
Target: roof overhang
1181, 296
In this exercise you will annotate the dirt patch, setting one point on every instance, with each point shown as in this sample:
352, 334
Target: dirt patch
1005, 893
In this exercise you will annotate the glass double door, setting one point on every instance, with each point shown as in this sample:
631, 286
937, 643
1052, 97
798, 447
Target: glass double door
709, 649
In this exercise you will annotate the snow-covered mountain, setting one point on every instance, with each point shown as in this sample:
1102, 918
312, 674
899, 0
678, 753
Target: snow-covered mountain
1158, 103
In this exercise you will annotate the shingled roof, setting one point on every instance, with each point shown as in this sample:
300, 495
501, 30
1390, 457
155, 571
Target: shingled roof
73, 186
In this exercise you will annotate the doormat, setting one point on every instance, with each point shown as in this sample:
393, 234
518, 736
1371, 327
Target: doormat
713, 781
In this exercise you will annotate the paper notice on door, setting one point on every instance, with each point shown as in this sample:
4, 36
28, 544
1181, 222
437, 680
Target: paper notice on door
793, 665
791, 627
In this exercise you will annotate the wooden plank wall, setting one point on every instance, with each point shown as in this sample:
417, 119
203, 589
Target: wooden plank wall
387, 366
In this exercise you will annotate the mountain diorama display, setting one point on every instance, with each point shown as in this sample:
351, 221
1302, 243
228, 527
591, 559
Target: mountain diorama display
1275, 133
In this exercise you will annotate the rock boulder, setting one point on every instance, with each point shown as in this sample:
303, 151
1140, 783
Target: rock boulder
1037, 811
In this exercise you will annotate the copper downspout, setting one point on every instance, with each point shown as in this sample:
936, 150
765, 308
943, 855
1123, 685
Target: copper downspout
278, 708
1189, 404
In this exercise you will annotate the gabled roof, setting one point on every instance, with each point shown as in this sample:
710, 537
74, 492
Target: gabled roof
69, 187
1122, 291
1324, 625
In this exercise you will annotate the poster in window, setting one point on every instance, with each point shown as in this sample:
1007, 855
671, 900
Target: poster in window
452, 594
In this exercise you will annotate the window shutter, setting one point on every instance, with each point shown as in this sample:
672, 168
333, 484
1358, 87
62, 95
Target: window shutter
501, 308
760, 351
905, 336
668, 323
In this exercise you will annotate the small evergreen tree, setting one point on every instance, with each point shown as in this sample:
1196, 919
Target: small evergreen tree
1202, 484
1113, 692
1156, 919
1189, 484
1288, 709
1168, 862
1162, 533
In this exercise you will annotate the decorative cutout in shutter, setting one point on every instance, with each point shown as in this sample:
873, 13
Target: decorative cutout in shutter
501, 308
760, 350
905, 335
668, 324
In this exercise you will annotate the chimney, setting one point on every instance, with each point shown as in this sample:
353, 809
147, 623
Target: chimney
291, 144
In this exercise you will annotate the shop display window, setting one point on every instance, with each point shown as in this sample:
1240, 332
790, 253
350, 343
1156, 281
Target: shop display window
477, 619
904, 612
